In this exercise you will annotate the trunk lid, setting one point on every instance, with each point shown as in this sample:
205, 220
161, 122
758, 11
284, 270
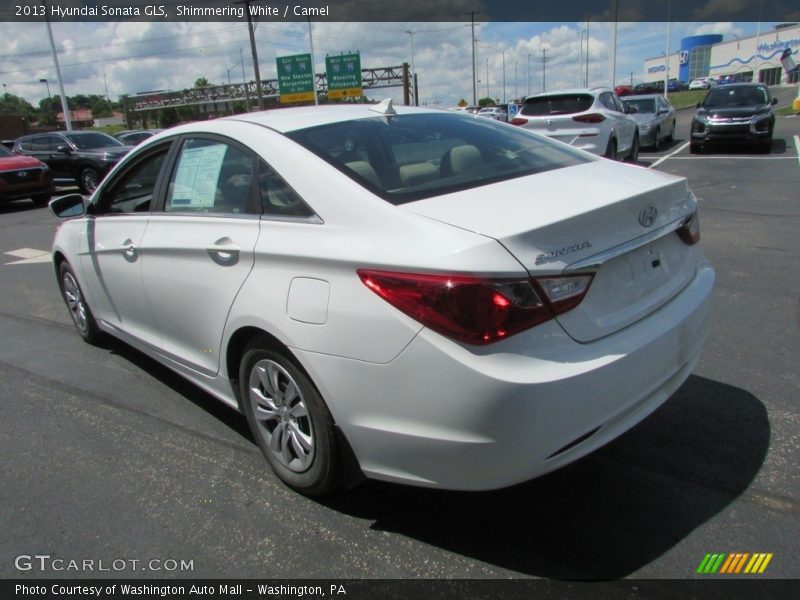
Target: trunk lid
557, 221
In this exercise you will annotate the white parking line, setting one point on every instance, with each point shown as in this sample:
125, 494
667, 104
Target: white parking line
29, 256
670, 155
797, 146
728, 157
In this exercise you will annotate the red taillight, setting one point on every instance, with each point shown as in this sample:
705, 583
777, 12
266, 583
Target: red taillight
593, 118
474, 310
689, 232
518, 121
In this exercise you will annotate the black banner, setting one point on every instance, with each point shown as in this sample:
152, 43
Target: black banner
395, 11
374, 589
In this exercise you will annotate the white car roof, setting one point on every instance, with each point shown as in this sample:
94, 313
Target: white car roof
285, 120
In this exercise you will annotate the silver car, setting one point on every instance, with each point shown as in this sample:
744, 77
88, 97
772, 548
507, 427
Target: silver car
655, 117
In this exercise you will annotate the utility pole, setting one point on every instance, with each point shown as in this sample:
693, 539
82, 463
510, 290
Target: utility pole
544, 60
251, 31
666, 57
504, 76
613, 60
244, 80
587, 51
474, 81
64, 107
105, 83
529, 75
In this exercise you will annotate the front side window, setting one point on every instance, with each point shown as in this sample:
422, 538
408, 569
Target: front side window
92, 141
211, 176
133, 190
410, 157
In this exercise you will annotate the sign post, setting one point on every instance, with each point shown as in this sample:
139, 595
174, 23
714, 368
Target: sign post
344, 75
295, 78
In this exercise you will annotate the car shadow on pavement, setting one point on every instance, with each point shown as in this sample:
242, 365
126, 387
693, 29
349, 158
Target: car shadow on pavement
16, 206
779, 146
605, 516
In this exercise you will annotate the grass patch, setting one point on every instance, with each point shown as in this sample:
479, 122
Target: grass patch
688, 99
785, 111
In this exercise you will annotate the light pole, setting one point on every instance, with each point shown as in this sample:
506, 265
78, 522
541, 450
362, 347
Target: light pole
580, 67
504, 76
666, 55
587, 51
529, 75
47, 83
487, 79
411, 35
244, 80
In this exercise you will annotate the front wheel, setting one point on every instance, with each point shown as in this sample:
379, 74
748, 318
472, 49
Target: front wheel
289, 420
88, 180
76, 303
634, 154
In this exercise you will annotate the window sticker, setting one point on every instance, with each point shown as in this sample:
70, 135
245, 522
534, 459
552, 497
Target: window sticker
195, 183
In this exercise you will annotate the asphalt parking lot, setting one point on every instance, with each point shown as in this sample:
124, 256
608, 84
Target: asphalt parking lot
107, 455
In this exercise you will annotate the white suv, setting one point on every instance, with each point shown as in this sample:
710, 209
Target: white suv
594, 120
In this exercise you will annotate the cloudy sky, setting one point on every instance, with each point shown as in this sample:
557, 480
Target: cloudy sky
142, 56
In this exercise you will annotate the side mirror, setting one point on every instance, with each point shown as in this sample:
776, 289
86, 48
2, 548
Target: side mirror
68, 206
63, 148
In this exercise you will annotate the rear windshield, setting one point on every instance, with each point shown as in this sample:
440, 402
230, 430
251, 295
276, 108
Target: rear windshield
563, 104
642, 106
736, 96
89, 141
409, 157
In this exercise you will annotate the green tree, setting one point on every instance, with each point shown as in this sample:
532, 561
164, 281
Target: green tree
486, 102
202, 82
14, 105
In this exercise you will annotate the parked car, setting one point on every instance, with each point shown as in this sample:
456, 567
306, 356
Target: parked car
590, 119
654, 116
134, 137
737, 112
459, 322
703, 83
649, 87
24, 177
498, 113
676, 85
726, 80
624, 90
77, 157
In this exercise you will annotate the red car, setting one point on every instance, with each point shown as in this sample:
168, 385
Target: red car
24, 177
624, 90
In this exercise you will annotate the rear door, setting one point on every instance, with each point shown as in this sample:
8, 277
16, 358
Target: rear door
199, 247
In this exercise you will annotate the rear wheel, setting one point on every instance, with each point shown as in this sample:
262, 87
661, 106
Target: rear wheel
611, 149
76, 303
289, 420
765, 146
657, 142
671, 135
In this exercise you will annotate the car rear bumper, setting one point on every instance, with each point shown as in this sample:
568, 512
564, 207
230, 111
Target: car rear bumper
460, 417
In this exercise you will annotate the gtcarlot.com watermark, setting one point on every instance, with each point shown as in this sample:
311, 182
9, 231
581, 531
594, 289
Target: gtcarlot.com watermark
47, 563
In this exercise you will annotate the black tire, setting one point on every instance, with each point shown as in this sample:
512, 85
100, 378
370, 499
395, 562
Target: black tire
88, 180
41, 199
79, 310
288, 420
695, 147
611, 149
633, 156
671, 135
657, 142
765, 146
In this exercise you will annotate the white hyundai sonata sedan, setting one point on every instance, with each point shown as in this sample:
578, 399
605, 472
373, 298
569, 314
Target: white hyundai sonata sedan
404, 294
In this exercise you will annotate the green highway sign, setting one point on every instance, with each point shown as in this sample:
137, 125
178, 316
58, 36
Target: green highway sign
344, 75
295, 78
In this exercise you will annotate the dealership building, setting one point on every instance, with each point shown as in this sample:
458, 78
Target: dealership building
754, 58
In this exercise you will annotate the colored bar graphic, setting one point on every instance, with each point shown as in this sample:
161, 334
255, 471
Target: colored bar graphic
734, 563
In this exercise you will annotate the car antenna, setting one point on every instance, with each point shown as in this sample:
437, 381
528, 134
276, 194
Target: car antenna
385, 108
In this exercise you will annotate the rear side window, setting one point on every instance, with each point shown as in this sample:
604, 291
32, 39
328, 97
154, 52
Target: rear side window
410, 157
562, 104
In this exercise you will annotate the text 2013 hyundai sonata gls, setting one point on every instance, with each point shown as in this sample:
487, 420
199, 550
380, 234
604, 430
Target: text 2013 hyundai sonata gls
415, 295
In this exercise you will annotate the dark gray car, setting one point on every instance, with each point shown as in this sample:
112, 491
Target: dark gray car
655, 117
